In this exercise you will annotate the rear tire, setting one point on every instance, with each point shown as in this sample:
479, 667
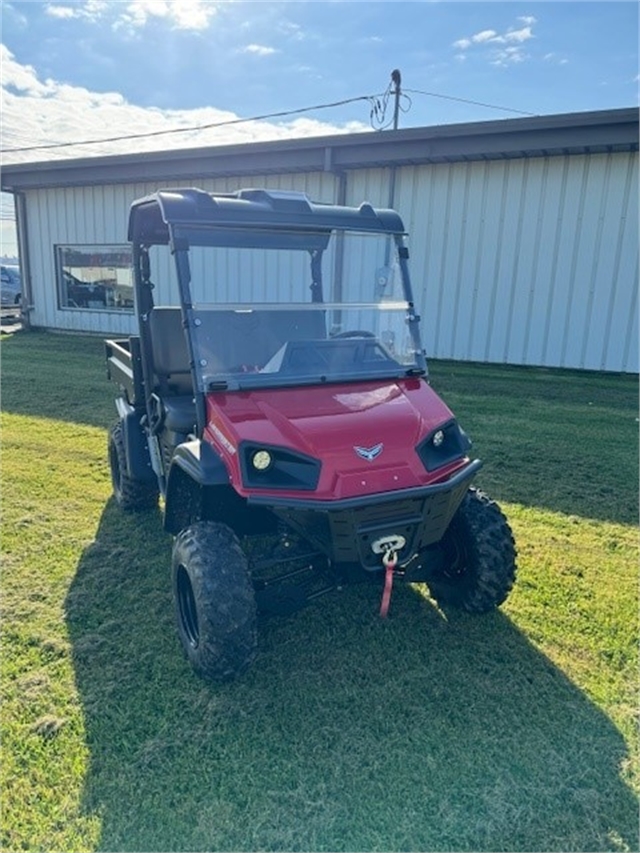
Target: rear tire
479, 568
214, 601
131, 495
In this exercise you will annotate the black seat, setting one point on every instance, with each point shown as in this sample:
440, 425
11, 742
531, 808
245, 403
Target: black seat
169, 351
171, 367
226, 341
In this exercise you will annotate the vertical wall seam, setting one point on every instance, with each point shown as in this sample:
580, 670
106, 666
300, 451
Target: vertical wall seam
461, 259
443, 259
595, 263
617, 260
478, 265
516, 261
577, 239
535, 260
553, 278
631, 321
497, 265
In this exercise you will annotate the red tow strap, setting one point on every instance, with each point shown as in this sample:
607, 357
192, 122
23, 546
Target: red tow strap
389, 560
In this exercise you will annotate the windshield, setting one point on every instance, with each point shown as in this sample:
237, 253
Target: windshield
337, 310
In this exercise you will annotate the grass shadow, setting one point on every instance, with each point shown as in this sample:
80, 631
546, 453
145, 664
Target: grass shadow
418, 733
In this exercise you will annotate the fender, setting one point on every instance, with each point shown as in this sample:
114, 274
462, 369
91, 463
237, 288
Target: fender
135, 443
195, 472
200, 463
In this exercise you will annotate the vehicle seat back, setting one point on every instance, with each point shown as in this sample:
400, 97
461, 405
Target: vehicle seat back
169, 350
226, 339
236, 340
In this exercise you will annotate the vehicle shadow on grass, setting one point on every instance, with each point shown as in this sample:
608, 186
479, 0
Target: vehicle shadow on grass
417, 733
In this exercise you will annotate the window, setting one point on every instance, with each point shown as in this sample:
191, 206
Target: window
94, 278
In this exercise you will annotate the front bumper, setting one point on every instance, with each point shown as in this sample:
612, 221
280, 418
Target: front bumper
345, 529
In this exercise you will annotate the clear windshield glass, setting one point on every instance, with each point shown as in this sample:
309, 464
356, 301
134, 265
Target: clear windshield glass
271, 317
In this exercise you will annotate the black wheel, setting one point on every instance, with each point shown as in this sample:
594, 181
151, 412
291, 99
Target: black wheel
479, 568
132, 495
214, 601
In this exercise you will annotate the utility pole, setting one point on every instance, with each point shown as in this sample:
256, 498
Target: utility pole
396, 79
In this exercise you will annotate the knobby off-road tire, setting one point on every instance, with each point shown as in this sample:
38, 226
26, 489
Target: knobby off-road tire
479, 565
131, 495
214, 601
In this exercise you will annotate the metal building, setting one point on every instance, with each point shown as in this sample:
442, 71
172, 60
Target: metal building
523, 232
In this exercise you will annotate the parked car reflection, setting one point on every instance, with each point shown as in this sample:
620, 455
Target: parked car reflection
11, 285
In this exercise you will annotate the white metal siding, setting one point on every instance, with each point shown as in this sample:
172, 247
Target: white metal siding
99, 215
523, 261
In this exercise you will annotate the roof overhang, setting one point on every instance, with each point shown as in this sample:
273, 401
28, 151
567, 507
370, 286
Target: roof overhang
569, 133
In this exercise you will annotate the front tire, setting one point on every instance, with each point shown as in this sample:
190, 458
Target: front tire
131, 495
214, 601
478, 568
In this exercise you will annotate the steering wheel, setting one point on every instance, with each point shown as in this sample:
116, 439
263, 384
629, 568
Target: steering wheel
355, 333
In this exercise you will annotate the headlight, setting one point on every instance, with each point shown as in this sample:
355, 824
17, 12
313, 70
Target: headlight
274, 467
261, 460
438, 438
445, 444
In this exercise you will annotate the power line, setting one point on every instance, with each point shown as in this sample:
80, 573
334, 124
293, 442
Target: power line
281, 114
377, 117
469, 101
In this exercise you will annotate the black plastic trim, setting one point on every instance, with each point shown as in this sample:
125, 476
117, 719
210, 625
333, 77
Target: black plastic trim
368, 500
456, 445
137, 448
289, 469
201, 463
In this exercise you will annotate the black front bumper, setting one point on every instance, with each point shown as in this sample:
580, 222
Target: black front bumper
345, 529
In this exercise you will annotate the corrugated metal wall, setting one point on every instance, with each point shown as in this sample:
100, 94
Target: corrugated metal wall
528, 261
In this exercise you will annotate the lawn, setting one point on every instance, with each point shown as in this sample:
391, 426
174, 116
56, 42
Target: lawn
509, 732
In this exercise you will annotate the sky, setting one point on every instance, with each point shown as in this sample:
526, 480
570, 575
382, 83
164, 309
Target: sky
87, 70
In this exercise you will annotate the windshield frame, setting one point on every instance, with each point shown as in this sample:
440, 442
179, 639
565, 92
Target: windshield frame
314, 242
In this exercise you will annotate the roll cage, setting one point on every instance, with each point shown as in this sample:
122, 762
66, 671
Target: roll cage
247, 219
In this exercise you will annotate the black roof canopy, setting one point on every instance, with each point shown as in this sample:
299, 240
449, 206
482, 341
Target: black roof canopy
250, 217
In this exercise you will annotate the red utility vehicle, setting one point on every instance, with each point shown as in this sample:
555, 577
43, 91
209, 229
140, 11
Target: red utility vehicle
277, 398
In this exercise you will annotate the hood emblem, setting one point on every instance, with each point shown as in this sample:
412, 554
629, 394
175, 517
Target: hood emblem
369, 453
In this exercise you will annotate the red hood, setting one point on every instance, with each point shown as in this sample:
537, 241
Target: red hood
328, 422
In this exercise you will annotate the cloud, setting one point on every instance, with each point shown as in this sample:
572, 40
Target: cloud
259, 50
518, 35
508, 56
91, 10
61, 11
292, 30
555, 59
180, 14
41, 112
490, 37
485, 35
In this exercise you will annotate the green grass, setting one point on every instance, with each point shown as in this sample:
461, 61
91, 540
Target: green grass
428, 731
